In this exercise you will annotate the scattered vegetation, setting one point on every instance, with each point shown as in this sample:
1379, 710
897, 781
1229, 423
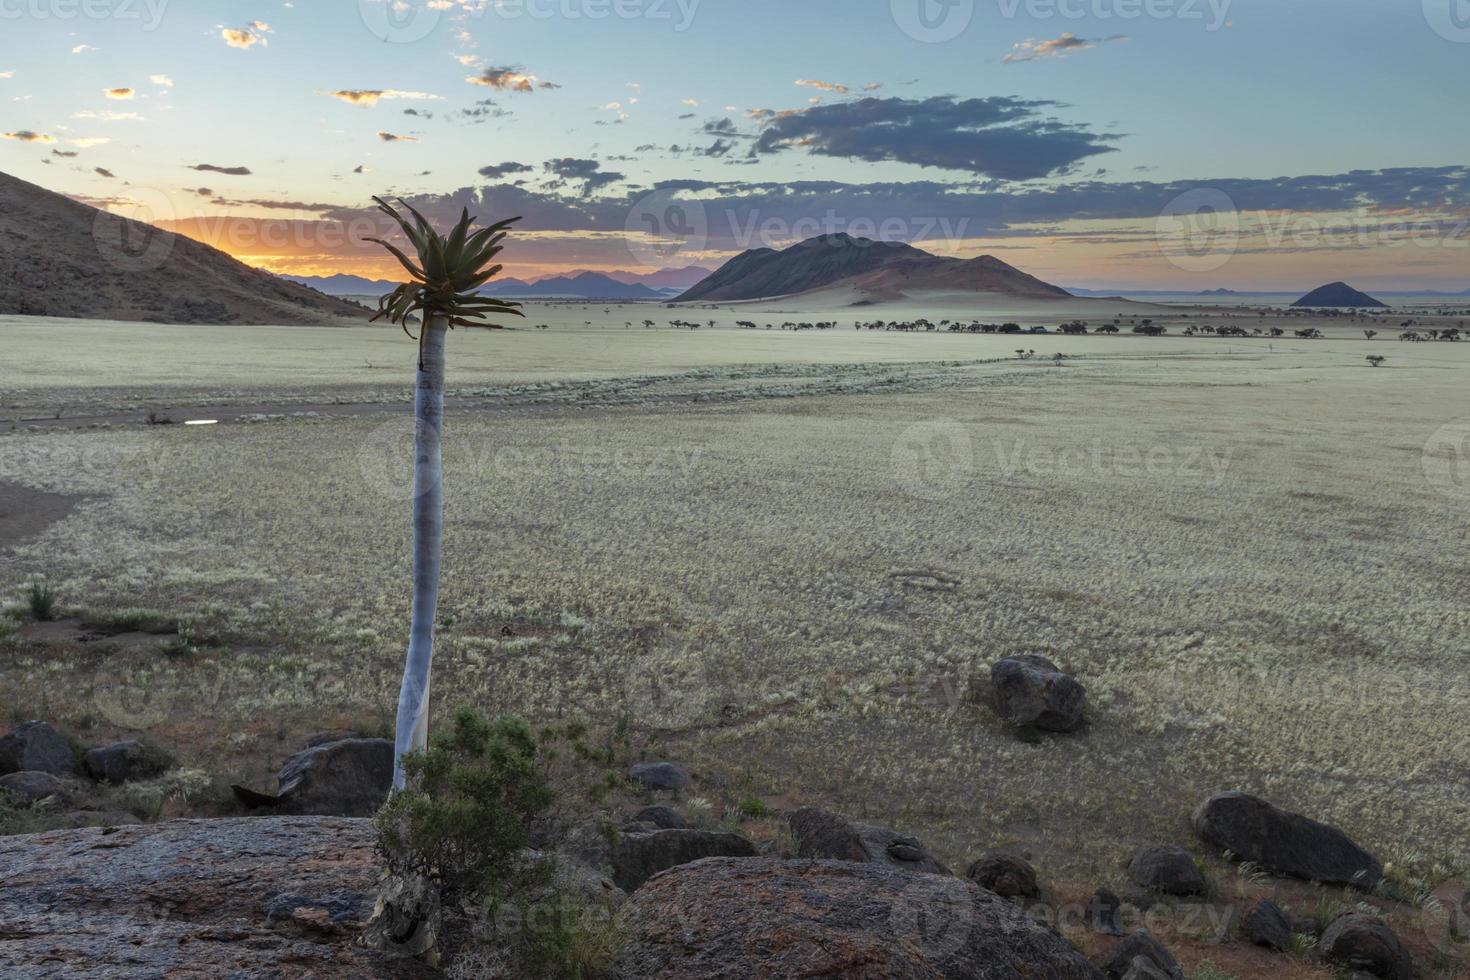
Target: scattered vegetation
40, 602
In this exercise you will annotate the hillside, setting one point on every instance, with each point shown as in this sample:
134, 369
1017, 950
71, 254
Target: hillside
1338, 294
64, 258
877, 270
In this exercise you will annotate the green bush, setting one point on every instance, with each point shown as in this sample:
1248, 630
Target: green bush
467, 807
41, 602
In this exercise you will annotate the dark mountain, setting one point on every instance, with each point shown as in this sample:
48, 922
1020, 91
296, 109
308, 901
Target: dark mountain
1337, 294
680, 279
879, 270
344, 285
65, 258
586, 285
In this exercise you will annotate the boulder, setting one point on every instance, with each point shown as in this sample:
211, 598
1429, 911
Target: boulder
1167, 869
1365, 942
1105, 913
637, 857
822, 834
858, 921
1142, 957
124, 761
258, 897
348, 778
658, 776
1264, 924
29, 788
1284, 843
37, 747
662, 817
1031, 691
1006, 875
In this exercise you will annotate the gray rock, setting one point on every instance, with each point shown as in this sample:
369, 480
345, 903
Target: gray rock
730, 919
1105, 913
350, 778
1142, 957
822, 834
1031, 691
1264, 924
637, 857
1006, 875
29, 788
1366, 942
662, 817
1284, 843
124, 761
659, 776
37, 747
1167, 869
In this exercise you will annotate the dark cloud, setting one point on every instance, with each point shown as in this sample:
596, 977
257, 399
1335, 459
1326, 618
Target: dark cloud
215, 169
498, 171
387, 137
63, 153
103, 172
588, 172
1000, 137
509, 78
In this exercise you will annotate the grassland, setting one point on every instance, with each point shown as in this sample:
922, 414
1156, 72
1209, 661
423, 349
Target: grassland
788, 559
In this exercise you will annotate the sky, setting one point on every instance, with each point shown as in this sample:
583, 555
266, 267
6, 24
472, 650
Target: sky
1163, 144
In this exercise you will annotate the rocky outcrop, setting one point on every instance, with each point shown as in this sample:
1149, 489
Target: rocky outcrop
278, 896
820, 833
1366, 942
346, 778
1167, 869
1142, 956
1006, 875
637, 857
1264, 924
1284, 843
29, 788
122, 761
1031, 691
768, 918
662, 817
37, 747
659, 776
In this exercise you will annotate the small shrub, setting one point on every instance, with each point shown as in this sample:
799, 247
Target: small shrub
40, 602
1209, 971
754, 808
467, 807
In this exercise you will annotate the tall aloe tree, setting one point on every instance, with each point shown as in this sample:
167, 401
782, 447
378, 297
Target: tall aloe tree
442, 292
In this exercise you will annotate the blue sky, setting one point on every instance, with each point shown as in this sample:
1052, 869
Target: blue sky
1117, 111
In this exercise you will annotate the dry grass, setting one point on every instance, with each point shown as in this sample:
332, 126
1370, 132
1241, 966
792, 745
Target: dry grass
1238, 554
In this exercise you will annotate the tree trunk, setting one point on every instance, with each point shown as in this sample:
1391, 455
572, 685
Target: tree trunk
428, 532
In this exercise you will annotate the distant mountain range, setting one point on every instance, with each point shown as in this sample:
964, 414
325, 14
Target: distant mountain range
1338, 294
1125, 291
874, 271
65, 258
574, 285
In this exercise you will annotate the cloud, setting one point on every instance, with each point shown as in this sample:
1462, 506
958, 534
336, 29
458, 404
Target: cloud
7, 74
63, 153
588, 172
162, 81
82, 49
248, 36
1033, 49
1000, 136
103, 172
372, 96
26, 136
87, 142
822, 86
509, 79
395, 138
499, 171
108, 116
216, 169
121, 94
